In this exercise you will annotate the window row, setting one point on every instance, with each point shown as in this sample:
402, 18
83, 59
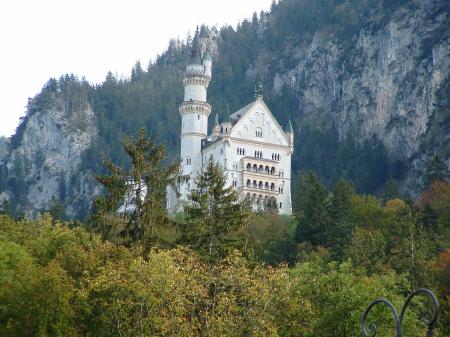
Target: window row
260, 185
188, 161
260, 200
258, 154
275, 156
260, 169
240, 151
259, 133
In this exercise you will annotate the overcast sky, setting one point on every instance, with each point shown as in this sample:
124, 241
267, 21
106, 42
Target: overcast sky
40, 39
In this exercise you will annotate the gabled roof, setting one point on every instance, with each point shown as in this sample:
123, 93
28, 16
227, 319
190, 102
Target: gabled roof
235, 116
242, 113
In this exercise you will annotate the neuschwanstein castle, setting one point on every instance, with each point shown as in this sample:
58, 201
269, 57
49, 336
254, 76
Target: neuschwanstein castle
252, 148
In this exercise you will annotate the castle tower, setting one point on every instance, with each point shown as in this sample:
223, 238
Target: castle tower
194, 113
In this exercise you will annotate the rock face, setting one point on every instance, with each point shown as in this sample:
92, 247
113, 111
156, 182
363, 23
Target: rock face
49, 160
3, 148
383, 84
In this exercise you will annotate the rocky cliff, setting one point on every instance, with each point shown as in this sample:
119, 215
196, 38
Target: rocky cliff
385, 82
46, 163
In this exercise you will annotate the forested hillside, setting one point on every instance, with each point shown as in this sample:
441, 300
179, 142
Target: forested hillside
365, 84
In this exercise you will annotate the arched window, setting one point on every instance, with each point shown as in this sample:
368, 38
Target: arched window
249, 182
260, 199
259, 133
249, 167
260, 185
261, 169
267, 170
272, 186
272, 170
255, 184
266, 186
255, 167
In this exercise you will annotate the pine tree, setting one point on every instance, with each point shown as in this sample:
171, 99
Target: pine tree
214, 215
436, 170
340, 227
390, 190
134, 210
312, 212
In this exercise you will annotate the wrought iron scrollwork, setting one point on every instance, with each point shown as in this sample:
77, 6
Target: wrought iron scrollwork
429, 317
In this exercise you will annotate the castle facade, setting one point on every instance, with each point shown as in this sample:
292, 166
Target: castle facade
253, 149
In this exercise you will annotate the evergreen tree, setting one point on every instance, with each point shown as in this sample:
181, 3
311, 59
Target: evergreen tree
134, 209
340, 227
214, 215
436, 170
312, 213
56, 210
390, 190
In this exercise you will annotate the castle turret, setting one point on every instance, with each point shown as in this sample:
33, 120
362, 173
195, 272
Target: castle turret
194, 112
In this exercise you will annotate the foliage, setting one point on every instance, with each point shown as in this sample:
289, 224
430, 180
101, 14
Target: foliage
270, 237
436, 171
134, 209
58, 281
340, 293
312, 211
214, 214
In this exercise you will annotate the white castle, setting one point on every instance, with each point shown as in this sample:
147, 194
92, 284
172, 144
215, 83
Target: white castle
252, 148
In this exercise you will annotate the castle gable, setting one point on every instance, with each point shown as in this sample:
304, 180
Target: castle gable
255, 122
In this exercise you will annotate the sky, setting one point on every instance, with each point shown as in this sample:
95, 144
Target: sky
48, 38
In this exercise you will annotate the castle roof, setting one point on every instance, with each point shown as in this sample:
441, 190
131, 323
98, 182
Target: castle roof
234, 117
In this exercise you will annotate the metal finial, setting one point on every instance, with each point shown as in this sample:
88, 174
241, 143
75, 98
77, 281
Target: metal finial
259, 92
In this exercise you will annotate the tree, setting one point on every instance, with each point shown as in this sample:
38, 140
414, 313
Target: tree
436, 170
214, 214
56, 209
312, 212
390, 190
340, 227
140, 190
270, 237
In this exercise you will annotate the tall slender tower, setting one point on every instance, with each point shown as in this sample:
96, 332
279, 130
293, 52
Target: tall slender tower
194, 113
